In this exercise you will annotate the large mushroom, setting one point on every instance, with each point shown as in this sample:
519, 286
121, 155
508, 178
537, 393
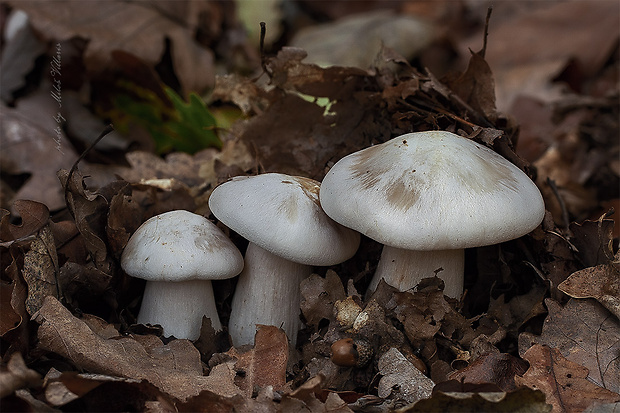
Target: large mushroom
179, 253
426, 196
288, 232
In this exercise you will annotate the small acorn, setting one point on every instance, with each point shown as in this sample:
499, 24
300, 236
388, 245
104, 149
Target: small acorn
351, 352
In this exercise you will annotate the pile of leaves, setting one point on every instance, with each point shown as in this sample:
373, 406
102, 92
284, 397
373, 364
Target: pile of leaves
537, 329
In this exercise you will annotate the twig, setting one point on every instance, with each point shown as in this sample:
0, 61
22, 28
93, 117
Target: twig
263, 59
434, 108
556, 192
486, 31
107, 130
607, 250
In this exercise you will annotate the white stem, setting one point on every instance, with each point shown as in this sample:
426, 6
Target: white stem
267, 293
179, 306
403, 269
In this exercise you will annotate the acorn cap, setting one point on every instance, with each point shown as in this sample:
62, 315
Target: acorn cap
180, 246
432, 191
282, 214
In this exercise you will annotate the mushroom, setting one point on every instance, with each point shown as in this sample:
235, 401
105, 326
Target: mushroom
426, 196
179, 253
281, 217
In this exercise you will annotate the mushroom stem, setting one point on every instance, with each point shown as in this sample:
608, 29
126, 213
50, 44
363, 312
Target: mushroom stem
179, 306
403, 269
267, 293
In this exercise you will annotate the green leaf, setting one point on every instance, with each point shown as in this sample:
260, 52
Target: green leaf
174, 125
194, 128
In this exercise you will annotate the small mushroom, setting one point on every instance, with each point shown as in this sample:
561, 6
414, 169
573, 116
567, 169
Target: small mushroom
426, 196
288, 232
179, 253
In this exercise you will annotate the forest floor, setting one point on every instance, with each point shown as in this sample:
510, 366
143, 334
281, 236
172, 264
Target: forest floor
195, 97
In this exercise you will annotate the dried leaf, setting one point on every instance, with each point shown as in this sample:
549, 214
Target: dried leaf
10, 318
89, 209
421, 313
125, 216
30, 147
318, 296
265, 364
585, 333
476, 87
402, 380
594, 240
601, 282
17, 376
24, 401
314, 135
492, 367
355, 40
18, 334
519, 309
522, 400
83, 285
41, 270
542, 49
20, 50
563, 382
111, 25
98, 391
243, 92
174, 368
373, 325
209, 402
288, 72
69, 243
34, 216
304, 399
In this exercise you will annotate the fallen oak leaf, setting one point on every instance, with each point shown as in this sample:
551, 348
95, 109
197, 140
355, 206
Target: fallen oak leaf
34, 215
601, 282
585, 333
563, 382
174, 368
265, 364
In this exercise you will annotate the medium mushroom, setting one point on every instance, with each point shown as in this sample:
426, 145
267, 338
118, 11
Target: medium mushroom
426, 196
288, 232
179, 253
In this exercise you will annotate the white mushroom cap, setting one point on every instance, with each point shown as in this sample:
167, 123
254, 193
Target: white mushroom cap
180, 246
432, 191
282, 214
